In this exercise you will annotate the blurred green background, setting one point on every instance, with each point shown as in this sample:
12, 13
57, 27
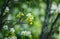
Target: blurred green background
24, 19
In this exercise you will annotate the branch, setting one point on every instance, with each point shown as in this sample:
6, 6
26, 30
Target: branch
53, 25
42, 36
1, 13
